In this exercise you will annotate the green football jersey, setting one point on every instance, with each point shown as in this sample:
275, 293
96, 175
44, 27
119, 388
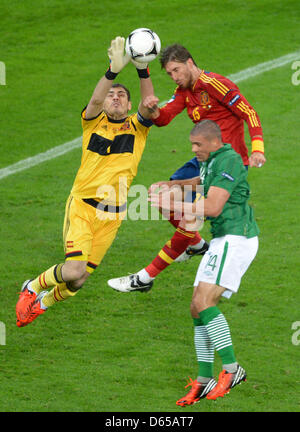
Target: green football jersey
224, 168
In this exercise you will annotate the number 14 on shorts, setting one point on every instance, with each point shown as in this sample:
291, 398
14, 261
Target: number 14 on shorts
212, 262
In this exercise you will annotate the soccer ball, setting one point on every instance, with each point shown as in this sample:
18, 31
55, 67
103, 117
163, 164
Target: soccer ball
143, 45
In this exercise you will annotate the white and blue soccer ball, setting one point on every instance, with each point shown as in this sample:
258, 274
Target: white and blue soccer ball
143, 45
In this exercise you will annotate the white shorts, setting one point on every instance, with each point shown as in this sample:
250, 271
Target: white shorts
226, 261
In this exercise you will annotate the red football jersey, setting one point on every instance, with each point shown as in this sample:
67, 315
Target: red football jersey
216, 98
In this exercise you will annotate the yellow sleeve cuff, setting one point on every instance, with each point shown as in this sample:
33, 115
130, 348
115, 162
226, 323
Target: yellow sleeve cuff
257, 145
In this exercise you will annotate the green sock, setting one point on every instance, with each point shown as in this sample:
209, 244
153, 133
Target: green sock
204, 351
219, 333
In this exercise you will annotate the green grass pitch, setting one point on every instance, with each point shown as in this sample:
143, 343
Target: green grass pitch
108, 352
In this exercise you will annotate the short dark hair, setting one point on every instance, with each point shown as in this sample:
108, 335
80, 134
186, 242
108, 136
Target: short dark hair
208, 128
123, 87
175, 52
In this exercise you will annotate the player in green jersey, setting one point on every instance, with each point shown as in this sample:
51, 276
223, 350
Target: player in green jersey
231, 251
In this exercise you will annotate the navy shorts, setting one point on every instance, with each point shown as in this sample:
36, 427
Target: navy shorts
189, 170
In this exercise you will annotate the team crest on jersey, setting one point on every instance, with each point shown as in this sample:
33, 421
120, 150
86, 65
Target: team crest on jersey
126, 126
204, 100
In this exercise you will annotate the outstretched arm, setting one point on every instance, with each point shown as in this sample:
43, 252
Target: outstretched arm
146, 87
118, 60
147, 91
95, 105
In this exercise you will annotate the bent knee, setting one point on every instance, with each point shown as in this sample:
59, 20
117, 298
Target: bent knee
74, 270
77, 284
205, 295
78, 273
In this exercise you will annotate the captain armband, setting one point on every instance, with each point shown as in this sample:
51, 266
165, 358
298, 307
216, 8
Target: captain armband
258, 145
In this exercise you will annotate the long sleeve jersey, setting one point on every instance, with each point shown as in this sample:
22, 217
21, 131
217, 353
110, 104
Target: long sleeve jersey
216, 98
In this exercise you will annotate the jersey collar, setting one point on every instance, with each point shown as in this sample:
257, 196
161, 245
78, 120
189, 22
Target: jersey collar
197, 80
224, 148
115, 121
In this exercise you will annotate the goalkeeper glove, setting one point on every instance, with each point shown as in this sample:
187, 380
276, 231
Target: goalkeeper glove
118, 60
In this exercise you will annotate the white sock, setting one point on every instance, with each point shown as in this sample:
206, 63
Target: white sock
231, 368
144, 276
203, 380
198, 245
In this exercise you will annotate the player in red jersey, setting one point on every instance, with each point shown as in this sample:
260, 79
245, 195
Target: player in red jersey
205, 95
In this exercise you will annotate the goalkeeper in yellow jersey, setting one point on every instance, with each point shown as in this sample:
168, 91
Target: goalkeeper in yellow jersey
112, 147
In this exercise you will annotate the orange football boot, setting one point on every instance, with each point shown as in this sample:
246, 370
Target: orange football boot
197, 392
226, 382
36, 309
26, 299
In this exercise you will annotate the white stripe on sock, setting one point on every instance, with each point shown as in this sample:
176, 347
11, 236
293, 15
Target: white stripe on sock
219, 332
203, 345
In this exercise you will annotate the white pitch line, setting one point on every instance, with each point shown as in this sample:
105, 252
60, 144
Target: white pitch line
52, 153
264, 67
71, 145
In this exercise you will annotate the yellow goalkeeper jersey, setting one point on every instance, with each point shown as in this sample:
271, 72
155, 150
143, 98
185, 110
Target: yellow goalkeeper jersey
111, 152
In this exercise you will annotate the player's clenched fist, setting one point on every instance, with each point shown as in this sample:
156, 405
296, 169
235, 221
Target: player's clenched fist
150, 102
